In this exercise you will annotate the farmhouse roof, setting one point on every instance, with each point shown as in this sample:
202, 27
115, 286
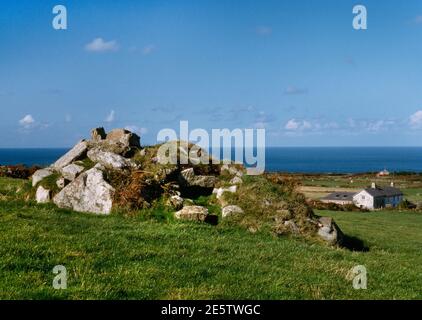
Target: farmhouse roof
343, 196
384, 192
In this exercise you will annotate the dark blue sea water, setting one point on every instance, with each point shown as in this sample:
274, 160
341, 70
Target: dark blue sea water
30, 157
300, 159
344, 159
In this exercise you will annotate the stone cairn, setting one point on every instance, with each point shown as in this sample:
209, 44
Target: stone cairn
85, 188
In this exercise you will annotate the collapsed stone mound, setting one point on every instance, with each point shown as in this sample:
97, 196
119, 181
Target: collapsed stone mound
78, 179
113, 171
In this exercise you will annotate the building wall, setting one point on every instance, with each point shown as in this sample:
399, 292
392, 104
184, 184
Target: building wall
364, 200
393, 201
340, 202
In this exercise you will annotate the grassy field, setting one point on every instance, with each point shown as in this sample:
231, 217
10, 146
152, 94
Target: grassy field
116, 257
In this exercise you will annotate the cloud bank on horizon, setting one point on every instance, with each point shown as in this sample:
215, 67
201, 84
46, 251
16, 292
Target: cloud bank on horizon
297, 69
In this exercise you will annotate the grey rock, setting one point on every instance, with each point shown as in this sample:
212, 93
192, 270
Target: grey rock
174, 189
41, 174
89, 192
173, 152
231, 210
236, 180
71, 171
125, 137
122, 141
61, 183
109, 159
77, 152
292, 226
232, 170
176, 202
329, 231
98, 134
220, 191
42, 195
193, 213
188, 178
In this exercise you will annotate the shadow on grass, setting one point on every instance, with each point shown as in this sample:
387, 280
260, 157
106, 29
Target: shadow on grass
354, 244
211, 219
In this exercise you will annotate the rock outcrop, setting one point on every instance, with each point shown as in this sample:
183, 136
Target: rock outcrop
124, 137
87, 193
98, 134
108, 159
42, 195
76, 153
113, 171
188, 178
61, 183
231, 210
71, 171
40, 175
192, 213
118, 141
176, 202
329, 231
236, 180
220, 191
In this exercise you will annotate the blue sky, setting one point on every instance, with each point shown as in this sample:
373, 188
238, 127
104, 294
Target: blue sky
296, 68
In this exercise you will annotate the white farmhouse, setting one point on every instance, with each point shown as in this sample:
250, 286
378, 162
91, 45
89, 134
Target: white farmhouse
378, 197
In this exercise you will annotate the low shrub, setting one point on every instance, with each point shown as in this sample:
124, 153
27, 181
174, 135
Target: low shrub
17, 171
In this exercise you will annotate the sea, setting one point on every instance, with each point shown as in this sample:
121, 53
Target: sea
282, 159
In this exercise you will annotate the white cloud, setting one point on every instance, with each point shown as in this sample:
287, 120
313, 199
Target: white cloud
416, 119
68, 118
99, 45
310, 125
138, 130
111, 116
306, 125
27, 121
293, 125
371, 125
349, 126
376, 126
148, 49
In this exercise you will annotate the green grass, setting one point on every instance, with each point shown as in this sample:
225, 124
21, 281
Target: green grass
154, 257
9, 184
413, 194
360, 181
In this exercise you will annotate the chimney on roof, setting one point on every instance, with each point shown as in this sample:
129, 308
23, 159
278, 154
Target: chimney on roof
373, 185
392, 184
